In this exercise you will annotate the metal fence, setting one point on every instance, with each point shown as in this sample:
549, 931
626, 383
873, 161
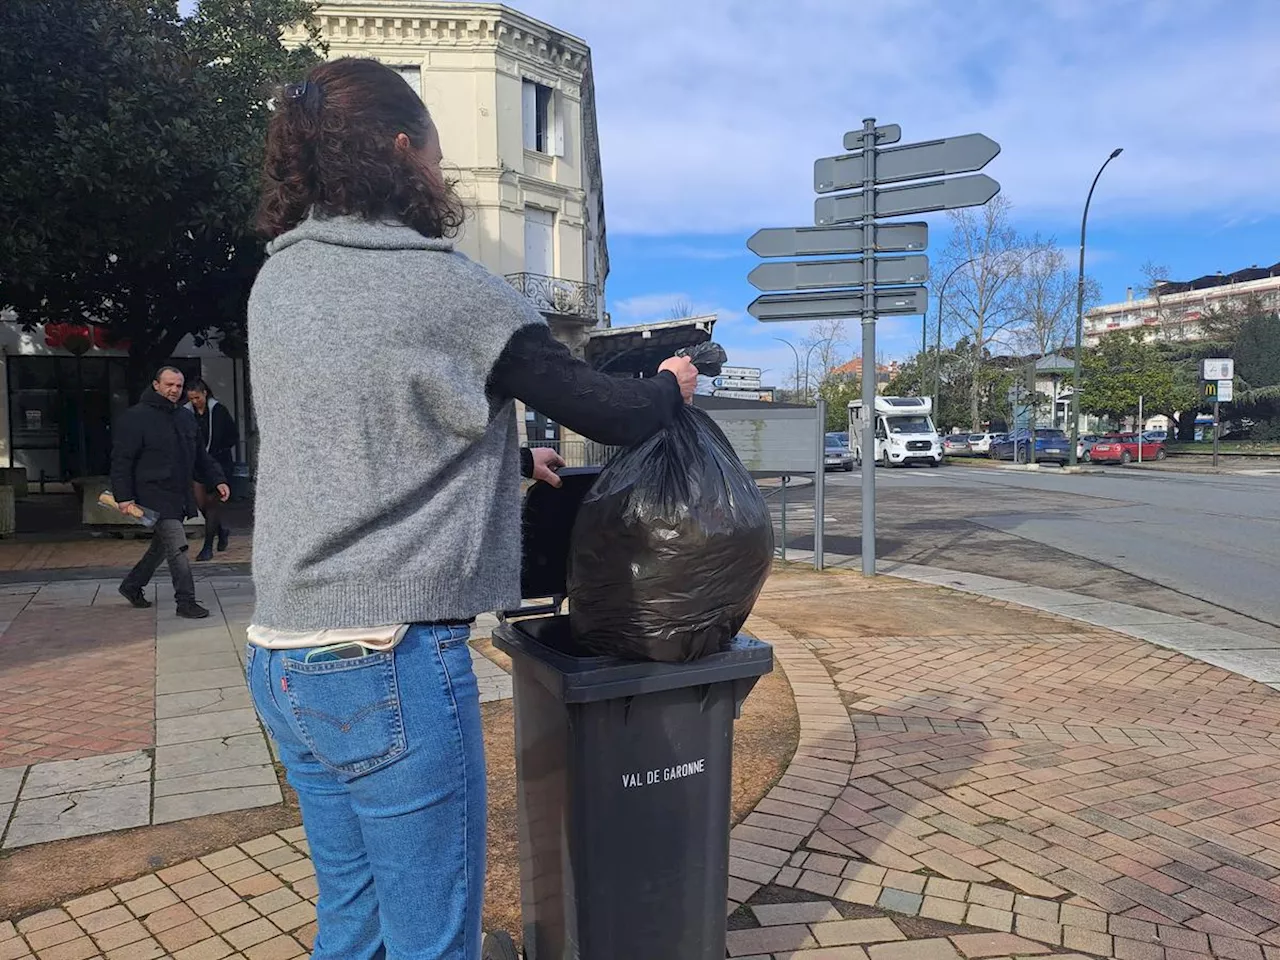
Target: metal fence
579, 453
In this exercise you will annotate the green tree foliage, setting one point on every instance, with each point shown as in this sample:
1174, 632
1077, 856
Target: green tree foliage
126, 200
1122, 368
839, 390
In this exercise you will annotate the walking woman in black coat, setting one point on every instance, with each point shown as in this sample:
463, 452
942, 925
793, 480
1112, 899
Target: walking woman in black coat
219, 435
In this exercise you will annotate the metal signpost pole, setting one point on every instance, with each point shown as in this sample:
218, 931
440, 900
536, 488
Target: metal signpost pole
869, 287
1216, 430
1140, 421
869, 351
819, 484
785, 478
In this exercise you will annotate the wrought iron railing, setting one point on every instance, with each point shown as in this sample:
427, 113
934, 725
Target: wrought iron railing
564, 298
580, 453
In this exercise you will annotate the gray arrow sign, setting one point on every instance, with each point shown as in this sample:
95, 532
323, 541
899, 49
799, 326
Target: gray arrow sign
885, 133
833, 274
900, 201
773, 307
936, 158
819, 241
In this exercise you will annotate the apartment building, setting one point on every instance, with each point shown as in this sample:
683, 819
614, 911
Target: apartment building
513, 99
1175, 309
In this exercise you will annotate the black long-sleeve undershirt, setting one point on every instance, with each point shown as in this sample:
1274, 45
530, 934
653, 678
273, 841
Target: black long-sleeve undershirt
541, 372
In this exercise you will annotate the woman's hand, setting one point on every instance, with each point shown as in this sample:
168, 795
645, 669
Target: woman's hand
686, 375
545, 464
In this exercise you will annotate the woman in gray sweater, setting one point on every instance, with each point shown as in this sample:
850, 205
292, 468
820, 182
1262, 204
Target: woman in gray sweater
387, 517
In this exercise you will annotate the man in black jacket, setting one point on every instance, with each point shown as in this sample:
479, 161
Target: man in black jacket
154, 459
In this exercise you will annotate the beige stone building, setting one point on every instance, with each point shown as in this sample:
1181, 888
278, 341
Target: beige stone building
514, 102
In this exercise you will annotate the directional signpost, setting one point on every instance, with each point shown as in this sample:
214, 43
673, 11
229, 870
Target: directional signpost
1219, 386
865, 285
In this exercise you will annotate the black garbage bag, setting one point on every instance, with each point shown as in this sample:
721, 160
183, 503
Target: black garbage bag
671, 547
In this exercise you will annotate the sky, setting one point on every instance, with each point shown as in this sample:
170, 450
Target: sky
711, 113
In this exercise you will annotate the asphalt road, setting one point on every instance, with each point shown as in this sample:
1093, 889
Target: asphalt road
1205, 546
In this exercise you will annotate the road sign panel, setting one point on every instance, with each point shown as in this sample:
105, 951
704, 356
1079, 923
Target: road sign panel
1209, 389
1226, 390
826, 241
886, 133
762, 395
747, 373
904, 301
1218, 368
833, 274
933, 158
734, 383
969, 191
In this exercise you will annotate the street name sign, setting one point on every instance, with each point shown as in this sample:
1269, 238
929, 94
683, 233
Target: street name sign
735, 383
886, 134
827, 241
933, 158
934, 195
1218, 368
833, 274
774, 307
741, 373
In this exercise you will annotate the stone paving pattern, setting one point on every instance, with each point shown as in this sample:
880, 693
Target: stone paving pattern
137, 716
973, 789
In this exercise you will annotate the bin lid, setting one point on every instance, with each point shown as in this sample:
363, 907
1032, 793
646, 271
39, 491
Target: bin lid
543, 648
546, 526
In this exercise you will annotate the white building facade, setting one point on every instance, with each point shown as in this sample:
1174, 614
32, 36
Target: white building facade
1176, 310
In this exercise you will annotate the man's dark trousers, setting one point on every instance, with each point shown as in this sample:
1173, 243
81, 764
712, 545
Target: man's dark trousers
168, 542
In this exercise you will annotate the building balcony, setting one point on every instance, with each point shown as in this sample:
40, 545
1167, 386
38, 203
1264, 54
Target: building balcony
554, 297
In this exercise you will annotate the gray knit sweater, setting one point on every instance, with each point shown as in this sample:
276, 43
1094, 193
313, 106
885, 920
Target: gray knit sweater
388, 479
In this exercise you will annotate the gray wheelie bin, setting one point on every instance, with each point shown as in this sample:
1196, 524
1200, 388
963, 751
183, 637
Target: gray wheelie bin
623, 772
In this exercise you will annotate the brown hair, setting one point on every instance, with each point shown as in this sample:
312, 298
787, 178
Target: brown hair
331, 146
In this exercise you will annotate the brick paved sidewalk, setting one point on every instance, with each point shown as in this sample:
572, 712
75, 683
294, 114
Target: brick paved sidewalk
992, 783
112, 717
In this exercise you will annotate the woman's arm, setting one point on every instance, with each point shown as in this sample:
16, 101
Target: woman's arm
542, 373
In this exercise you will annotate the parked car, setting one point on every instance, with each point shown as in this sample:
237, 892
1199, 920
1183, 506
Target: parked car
980, 443
838, 456
1084, 445
1123, 448
956, 445
1156, 436
1051, 446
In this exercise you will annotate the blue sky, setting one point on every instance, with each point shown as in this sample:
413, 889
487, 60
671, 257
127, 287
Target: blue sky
711, 113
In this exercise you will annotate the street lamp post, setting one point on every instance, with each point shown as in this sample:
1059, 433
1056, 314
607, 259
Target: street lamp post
797, 353
937, 349
1075, 376
807, 357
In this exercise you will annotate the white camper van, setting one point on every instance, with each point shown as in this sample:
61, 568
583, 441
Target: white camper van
904, 431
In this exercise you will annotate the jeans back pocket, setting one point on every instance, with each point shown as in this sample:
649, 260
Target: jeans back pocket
348, 711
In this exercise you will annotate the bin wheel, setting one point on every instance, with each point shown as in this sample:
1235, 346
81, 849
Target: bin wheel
499, 946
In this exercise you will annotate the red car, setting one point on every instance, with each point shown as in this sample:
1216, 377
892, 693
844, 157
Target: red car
1123, 448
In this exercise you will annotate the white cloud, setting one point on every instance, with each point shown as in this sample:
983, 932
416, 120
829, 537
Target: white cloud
651, 307
712, 112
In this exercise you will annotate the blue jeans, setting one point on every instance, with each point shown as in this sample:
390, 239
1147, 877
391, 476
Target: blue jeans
386, 753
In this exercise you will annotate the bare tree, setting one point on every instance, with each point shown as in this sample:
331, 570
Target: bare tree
1046, 299
1154, 278
826, 342
680, 309
981, 302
